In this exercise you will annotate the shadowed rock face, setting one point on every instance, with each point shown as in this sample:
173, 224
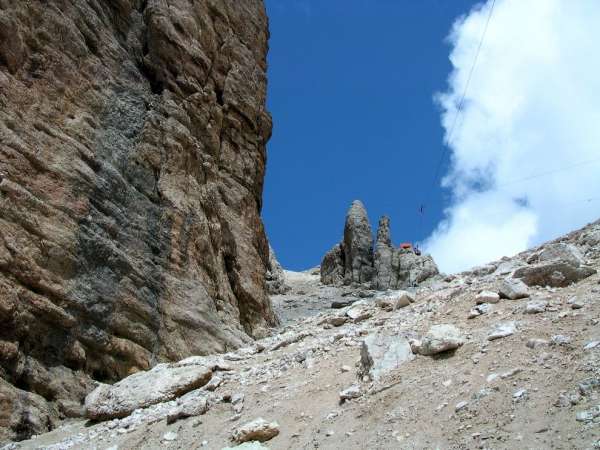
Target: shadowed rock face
132, 156
356, 261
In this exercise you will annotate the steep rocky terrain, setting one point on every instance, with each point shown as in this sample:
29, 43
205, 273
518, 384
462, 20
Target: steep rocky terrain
381, 266
493, 358
132, 156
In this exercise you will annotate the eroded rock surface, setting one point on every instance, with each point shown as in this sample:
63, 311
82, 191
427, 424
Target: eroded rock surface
356, 260
132, 156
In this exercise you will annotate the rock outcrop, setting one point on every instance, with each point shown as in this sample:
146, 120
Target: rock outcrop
132, 156
356, 261
276, 284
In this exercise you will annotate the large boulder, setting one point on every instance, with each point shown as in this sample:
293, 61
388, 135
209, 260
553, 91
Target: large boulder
558, 264
561, 251
559, 273
163, 383
382, 352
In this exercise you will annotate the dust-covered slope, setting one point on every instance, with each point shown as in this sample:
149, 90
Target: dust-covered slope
522, 373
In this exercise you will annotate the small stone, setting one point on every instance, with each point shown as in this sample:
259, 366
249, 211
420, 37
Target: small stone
520, 394
536, 306
576, 303
559, 339
350, 393
502, 330
591, 345
169, 436
487, 297
460, 406
588, 385
535, 343
344, 369
358, 313
257, 430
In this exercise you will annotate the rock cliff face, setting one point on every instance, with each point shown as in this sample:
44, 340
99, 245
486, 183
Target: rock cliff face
356, 261
132, 156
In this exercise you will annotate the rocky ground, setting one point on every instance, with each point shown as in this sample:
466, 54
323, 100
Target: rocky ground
424, 369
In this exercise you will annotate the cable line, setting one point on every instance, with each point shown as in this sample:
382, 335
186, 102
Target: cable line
458, 111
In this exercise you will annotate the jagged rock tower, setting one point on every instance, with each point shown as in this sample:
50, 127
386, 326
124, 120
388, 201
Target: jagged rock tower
132, 157
356, 261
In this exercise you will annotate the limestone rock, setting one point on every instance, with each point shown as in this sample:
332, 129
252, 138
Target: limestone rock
561, 251
397, 268
441, 338
395, 300
350, 393
257, 430
487, 297
355, 260
194, 403
502, 330
255, 445
358, 245
559, 273
132, 158
143, 389
382, 352
536, 306
513, 289
275, 276
332, 266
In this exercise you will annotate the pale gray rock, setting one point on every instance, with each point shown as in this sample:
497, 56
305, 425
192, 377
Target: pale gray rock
358, 313
397, 268
561, 251
350, 393
536, 343
460, 406
194, 403
441, 338
355, 260
248, 446
553, 273
487, 297
257, 430
332, 266
502, 330
559, 339
143, 389
395, 300
382, 352
513, 289
576, 302
275, 275
358, 245
536, 306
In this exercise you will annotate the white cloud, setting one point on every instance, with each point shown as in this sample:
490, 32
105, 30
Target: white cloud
532, 107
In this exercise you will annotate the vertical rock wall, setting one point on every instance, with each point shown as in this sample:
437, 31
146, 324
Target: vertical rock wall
132, 156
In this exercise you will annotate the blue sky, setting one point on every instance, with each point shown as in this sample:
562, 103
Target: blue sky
351, 88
